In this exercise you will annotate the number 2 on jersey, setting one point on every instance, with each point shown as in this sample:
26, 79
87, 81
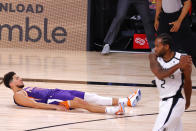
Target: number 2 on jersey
163, 83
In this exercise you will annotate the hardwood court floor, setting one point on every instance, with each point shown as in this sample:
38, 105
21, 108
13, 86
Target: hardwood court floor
79, 67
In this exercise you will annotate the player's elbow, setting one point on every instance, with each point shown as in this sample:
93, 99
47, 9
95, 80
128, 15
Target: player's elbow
158, 75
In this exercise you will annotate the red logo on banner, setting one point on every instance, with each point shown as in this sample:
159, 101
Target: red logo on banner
140, 42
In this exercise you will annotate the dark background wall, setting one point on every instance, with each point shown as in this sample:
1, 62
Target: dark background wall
101, 14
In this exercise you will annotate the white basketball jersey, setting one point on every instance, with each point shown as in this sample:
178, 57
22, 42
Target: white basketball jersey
170, 85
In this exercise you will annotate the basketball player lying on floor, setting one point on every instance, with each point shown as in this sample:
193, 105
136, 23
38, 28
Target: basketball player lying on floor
57, 99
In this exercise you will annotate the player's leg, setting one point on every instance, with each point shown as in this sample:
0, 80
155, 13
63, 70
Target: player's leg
163, 111
132, 100
169, 115
67, 99
64, 95
179, 126
174, 121
92, 98
79, 103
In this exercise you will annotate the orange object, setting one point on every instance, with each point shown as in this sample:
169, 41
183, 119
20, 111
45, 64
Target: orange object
129, 103
65, 103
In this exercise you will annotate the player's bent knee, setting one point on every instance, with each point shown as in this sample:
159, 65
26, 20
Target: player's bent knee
79, 101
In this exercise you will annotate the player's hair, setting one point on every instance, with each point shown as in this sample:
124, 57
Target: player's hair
166, 39
8, 78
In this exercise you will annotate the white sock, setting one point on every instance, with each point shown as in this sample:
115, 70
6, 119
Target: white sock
98, 100
123, 100
111, 110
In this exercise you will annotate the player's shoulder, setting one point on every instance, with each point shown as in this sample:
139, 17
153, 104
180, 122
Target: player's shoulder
20, 93
177, 55
152, 56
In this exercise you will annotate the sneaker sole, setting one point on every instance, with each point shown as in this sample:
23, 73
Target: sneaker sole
138, 98
139, 95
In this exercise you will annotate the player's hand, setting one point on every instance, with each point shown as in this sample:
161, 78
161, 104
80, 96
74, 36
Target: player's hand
156, 24
176, 26
185, 61
61, 108
187, 105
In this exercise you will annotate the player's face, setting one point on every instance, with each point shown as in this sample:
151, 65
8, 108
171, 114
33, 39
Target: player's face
160, 49
17, 81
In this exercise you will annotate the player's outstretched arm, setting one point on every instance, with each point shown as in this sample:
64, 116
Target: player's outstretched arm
23, 100
157, 69
187, 69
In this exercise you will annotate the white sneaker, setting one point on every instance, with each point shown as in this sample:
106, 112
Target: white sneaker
134, 98
121, 109
106, 49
